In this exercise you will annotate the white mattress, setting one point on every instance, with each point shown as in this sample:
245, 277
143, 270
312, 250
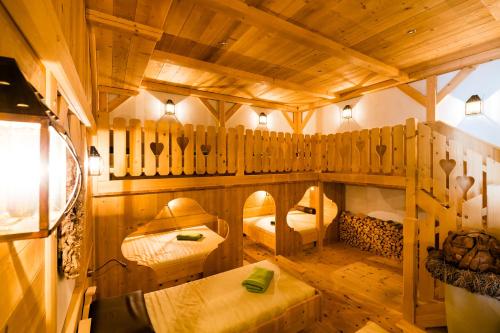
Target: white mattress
161, 250
219, 303
261, 222
299, 221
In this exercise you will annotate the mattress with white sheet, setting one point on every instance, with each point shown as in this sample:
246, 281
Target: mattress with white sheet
162, 250
299, 221
219, 303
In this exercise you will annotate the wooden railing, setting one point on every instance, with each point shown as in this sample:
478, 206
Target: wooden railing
170, 149
457, 187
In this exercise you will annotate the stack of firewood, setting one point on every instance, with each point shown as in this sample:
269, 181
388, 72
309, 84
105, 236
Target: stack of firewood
384, 238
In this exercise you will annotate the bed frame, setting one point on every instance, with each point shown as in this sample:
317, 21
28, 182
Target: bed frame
186, 213
295, 319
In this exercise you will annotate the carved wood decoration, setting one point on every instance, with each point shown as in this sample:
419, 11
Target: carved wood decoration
465, 183
381, 149
182, 141
70, 231
156, 147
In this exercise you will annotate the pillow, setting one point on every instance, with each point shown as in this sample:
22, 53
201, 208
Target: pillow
308, 210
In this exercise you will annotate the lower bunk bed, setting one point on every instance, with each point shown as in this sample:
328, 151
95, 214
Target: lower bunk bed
169, 257
218, 303
262, 229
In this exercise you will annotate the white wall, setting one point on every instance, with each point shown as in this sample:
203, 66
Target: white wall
485, 82
190, 110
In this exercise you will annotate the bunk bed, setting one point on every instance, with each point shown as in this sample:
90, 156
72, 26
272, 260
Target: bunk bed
288, 305
262, 228
155, 244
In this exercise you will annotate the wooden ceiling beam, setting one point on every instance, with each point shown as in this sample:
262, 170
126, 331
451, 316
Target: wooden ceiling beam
446, 67
232, 111
494, 8
307, 118
266, 21
209, 107
288, 119
116, 102
117, 91
118, 23
450, 66
177, 59
414, 94
457, 79
162, 86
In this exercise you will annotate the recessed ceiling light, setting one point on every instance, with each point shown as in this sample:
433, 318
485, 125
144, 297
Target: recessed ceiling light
411, 31
222, 44
22, 105
4, 83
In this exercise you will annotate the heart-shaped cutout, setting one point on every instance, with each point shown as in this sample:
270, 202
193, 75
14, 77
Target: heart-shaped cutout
381, 150
183, 141
360, 144
156, 148
205, 149
447, 165
465, 183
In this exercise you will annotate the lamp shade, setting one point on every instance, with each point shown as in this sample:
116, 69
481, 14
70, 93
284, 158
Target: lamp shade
347, 112
263, 119
170, 108
40, 176
473, 106
94, 162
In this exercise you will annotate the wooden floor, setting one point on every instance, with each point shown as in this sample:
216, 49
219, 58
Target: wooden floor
357, 286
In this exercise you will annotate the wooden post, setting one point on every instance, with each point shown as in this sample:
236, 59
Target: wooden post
103, 136
320, 215
222, 114
51, 282
431, 98
240, 151
297, 122
410, 229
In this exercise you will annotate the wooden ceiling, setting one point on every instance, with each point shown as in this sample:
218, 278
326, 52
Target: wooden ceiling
296, 52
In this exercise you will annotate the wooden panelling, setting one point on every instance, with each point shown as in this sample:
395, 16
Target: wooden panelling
117, 216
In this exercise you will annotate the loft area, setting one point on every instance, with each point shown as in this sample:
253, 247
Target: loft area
249, 166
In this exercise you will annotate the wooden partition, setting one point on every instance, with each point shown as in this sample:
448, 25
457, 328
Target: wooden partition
456, 188
167, 148
454, 181
116, 216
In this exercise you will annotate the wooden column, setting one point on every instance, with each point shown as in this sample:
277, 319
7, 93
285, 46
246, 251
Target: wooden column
51, 282
431, 98
103, 136
297, 122
410, 229
222, 114
320, 215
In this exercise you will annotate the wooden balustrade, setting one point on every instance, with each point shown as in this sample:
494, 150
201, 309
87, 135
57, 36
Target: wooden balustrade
457, 187
170, 149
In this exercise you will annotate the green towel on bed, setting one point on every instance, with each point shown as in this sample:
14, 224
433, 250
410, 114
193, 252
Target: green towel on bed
189, 236
258, 280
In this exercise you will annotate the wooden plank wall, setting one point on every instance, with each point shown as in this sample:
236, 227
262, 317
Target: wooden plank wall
29, 267
116, 216
375, 151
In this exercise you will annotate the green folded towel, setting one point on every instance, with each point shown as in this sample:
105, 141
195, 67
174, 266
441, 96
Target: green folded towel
258, 280
189, 236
